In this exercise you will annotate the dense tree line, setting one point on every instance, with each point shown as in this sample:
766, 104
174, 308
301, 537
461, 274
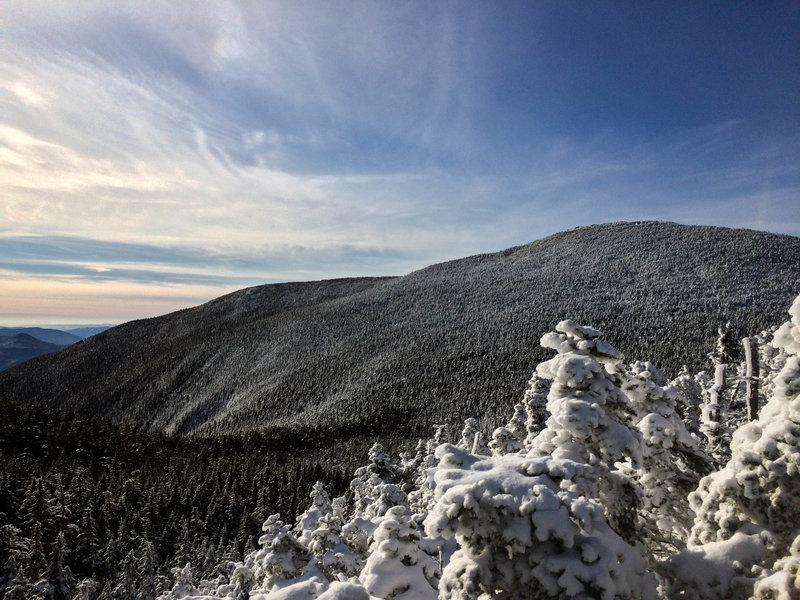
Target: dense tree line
83, 501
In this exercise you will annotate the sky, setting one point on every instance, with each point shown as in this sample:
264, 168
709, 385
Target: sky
155, 155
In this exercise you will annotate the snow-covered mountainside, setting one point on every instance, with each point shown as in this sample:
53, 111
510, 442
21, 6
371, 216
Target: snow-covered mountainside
328, 360
615, 495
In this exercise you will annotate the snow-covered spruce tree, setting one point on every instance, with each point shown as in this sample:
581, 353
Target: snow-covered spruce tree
310, 519
672, 460
747, 513
504, 442
523, 536
591, 426
782, 581
183, 586
368, 478
281, 556
398, 568
59, 575
690, 400
721, 411
772, 359
410, 465
510, 438
421, 498
330, 551
535, 403
373, 494
518, 423
86, 589
472, 438
532, 527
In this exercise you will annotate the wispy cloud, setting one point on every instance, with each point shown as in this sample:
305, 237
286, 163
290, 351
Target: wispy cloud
233, 143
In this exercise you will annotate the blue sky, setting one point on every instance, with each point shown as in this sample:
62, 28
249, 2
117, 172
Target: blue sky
154, 155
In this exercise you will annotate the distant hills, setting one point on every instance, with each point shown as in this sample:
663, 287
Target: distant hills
51, 336
19, 347
18, 344
329, 360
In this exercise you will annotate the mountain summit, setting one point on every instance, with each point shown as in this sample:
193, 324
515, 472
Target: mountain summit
338, 358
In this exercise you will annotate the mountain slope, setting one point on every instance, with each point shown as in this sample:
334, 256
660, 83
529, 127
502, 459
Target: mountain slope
337, 358
19, 347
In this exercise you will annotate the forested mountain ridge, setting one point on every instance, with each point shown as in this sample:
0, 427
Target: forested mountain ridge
325, 360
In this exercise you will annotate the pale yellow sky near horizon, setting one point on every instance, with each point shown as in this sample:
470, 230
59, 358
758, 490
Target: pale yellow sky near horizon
26, 301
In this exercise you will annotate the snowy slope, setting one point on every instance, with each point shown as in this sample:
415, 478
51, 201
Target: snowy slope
327, 360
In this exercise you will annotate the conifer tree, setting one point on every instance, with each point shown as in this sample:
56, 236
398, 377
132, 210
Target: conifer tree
591, 426
281, 556
690, 400
86, 589
59, 575
330, 550
503, 442
535, 403
517, 425
672, 459
397, 567
310, 519
472, 439
530, 527
35, 561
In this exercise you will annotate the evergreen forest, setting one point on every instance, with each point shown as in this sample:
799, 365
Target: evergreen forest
607, 481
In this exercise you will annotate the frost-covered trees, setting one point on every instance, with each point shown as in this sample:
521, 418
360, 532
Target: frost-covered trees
534, 526
535, 403
281, 556
690, 400
747, 513
591, 426
672, 459
526, 536
310, 519
398, 567
472, 438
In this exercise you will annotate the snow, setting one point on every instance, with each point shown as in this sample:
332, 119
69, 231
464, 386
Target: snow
724, 569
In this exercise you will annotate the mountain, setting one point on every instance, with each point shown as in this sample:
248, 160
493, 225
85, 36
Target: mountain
19, 347
328, 360
51, 336
88, 330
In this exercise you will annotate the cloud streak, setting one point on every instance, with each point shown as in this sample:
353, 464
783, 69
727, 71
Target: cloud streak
236, 143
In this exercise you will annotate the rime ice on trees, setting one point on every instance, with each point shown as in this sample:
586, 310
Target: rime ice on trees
529, 525
750, 507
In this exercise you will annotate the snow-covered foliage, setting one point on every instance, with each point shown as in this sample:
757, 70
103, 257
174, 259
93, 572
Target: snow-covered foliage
590, 440
535, 403
526, 536
747, 512
672, 459
472, 437
398, 566
309, 521
690, 399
